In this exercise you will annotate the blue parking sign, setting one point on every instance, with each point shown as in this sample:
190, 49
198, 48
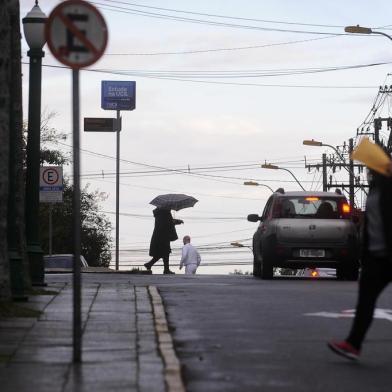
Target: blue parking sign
118, 95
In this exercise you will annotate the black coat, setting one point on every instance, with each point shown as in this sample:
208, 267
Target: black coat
164, 232
384, 184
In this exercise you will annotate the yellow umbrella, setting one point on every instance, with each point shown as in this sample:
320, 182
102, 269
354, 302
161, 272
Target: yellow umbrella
372, 155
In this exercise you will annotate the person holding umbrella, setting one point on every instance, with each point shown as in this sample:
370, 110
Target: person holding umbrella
164, 228
164, 232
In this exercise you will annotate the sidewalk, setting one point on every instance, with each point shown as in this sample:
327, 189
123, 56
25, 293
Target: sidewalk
125, 345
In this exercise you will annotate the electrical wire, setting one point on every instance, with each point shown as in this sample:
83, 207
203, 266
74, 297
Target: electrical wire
157, 15
213, 50
223, 16
339, 87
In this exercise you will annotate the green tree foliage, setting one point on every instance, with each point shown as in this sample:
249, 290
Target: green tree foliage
96, 227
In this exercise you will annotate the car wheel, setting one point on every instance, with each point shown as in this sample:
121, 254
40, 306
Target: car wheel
256, 268
267, 269
347, 272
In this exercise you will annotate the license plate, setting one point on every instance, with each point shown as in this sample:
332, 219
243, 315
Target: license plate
312, 253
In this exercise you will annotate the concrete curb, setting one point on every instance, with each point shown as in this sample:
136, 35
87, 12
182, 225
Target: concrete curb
172, 368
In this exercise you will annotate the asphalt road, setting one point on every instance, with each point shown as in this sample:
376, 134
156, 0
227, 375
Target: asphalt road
239, 333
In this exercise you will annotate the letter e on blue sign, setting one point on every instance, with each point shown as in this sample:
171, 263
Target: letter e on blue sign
118, 95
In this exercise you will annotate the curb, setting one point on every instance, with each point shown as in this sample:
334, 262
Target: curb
172, 366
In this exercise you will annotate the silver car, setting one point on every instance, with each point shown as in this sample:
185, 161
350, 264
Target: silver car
305, 230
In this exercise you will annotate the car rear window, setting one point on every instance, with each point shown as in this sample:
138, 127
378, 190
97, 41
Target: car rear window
311, 207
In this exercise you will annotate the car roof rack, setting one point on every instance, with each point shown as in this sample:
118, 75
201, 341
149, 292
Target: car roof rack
280, 190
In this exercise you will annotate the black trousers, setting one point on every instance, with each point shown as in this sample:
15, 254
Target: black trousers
376, 273
165, 259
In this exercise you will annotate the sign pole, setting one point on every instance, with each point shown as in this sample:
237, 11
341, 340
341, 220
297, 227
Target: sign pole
50, 229
118, 191
76, 219
116, 95
77, 36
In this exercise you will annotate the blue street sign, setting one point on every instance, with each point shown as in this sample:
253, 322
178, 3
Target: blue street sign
118, 95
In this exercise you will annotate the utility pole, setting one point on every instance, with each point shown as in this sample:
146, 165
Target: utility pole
351, 172
351, 186
325, 172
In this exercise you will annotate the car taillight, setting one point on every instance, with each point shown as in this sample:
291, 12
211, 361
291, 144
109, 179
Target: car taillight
345, 208
314, 274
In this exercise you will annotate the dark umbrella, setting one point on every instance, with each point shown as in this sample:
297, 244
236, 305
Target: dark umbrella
174, 201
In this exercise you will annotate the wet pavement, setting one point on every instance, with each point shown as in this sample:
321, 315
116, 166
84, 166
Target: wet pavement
119, 347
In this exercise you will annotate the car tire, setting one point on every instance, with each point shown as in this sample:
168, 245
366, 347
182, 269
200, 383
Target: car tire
267, 269
349, 271
256, 268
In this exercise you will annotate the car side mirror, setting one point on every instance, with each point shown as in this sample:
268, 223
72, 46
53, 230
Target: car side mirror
254, 218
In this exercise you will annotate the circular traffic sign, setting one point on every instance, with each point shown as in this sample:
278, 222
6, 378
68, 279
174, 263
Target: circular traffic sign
50, 176
76, 33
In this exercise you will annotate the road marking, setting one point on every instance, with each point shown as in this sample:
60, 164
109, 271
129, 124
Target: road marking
385, 314
165, 344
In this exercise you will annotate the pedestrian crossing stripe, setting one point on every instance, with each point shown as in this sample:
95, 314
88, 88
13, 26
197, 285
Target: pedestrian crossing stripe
385, 314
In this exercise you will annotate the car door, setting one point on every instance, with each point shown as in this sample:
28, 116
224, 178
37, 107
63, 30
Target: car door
258, 237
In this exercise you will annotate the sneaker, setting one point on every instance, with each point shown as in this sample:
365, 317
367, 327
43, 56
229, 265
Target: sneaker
344, 349
168, 272
148, 266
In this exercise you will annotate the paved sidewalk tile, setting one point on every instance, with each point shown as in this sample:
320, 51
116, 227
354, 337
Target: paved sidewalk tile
119, 346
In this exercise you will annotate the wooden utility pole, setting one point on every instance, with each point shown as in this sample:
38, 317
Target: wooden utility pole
351, 186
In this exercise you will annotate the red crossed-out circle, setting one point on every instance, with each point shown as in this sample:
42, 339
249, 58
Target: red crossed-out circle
59, 53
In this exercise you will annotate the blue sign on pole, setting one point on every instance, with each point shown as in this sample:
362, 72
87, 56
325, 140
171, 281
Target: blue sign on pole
118, 95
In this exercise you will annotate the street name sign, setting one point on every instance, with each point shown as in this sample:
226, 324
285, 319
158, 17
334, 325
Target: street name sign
51, 184
118, 95
76, 33
100, 124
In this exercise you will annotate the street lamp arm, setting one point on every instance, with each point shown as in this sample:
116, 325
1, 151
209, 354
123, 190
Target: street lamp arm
295, 178
340, 156
267, 186
380, 33
364, 30
254, 183
336, 150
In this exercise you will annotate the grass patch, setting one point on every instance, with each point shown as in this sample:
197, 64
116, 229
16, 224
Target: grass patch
10, 309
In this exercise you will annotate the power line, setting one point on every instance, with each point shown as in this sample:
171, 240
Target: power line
199, 218
223, 16
212, 50
157, 15
122, 73
196, 174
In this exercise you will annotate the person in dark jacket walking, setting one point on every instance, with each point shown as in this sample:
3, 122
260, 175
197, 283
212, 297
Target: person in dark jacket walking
164, 232
376, 269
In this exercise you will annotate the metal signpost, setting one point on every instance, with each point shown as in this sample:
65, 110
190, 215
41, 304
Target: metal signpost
77, 35
118, 95
51, 191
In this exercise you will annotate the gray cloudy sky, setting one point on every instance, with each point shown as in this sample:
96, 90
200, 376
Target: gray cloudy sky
215, 93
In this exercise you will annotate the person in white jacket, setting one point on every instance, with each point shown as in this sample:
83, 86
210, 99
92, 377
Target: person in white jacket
190, 257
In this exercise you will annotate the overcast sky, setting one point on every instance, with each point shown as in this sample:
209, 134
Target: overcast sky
227, 85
